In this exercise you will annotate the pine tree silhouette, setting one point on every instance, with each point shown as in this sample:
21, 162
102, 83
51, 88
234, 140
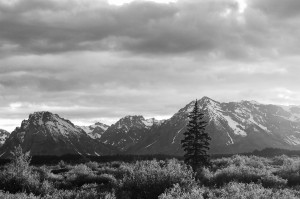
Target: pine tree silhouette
196, 140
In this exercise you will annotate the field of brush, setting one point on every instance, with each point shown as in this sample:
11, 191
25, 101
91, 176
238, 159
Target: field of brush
232, 177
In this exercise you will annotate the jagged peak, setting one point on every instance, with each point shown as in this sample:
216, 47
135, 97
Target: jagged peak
207, 100
152, 119
101, 124
132, 117
41, 117
41, 114
250, 102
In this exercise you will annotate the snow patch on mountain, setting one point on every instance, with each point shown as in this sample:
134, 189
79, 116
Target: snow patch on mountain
96, 130
176, 134
230, 141
151, 144
86, 129
292, 140
257, 124
236, 127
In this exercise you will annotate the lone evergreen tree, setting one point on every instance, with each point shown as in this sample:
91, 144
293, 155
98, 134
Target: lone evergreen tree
196, 140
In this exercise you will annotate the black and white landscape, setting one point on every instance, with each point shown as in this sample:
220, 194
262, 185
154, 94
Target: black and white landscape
146, 99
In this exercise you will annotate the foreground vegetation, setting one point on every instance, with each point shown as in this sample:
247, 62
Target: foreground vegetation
231, 177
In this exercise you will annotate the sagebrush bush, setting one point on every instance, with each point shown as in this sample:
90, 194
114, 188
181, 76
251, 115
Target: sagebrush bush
81, 175
148, 179
115, 164
235, 190
92, 165
246, 174
17, 196
62, 164
118, 173
176, 192
289, 170
80, 194
280, 160
18, 176
204, 176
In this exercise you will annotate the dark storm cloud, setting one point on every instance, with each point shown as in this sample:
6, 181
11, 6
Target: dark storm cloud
215, 28
58, 26
88, 60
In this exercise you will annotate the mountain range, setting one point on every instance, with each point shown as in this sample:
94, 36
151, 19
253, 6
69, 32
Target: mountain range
235, 127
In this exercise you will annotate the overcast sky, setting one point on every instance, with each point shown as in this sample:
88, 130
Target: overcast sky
97, 60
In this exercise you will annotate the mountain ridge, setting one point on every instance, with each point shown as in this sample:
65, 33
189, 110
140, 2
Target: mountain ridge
235, 127
45, 133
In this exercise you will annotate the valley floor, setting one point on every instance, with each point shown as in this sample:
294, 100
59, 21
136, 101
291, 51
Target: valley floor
228, 178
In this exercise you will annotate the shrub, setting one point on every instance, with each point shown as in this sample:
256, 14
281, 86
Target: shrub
16, 196
46, 187
115, 164
78, 176
81, 175
62, 164
18, 175
80, 194
118, 173
80, 170
290, 170
149, 179
178, 193
107, 181
204, 176
246, 174
252, 191
280, 160
92, 165
220, 163
42, 172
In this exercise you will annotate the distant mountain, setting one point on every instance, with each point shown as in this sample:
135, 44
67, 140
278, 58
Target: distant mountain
96, 130
235, 127
3, 136
128, 131
45, 133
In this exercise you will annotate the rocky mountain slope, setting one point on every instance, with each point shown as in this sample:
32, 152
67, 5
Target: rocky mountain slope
128, 131
235, 127
3, 136
96, 130
45, 133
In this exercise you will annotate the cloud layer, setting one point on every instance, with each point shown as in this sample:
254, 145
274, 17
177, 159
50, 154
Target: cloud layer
89, 60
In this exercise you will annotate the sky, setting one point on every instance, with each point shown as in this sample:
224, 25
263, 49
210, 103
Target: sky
98, 60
